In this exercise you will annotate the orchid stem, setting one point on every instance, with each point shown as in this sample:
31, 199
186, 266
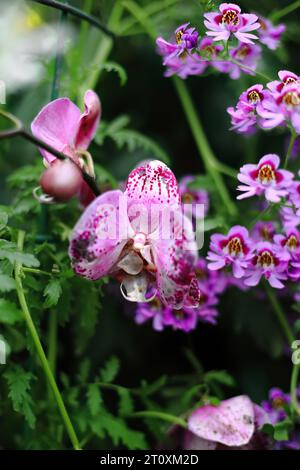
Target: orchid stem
39, 348
78, 13
293, 389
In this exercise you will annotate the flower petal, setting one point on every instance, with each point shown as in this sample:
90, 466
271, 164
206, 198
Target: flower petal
88, 121
231, 423
56, 125
97, 239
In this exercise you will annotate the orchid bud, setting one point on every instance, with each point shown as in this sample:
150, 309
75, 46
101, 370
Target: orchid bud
62, 180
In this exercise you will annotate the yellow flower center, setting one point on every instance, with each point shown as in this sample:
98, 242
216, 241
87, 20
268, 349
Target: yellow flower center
292, 98
178, 36
265, 259
235, 246
266, 174
230, 17
253, 96
292, 242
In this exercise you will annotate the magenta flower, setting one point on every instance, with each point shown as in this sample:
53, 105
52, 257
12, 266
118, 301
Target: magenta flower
233, 424
263, 231
248, 55
268, 261
264, 178
184, 319
62, 125
269, 34
120, 235
229, 21
282, 109
285, 78
233, 250
289, 243
244, 116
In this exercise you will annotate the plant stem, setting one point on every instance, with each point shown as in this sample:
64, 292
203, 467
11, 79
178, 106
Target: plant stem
39, 348
293, 389
52, 339
160, 415
78, 13
254, 72
290, 148
203, 146
36, 271
280, 315
285, 11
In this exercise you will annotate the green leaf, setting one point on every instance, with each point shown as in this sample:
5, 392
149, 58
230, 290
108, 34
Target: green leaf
114, 67
9, 251
3, 220
9, 312
7, 283
94, 399
220, 376
52, 293
19, 384
134, 140
110, 370
126, 406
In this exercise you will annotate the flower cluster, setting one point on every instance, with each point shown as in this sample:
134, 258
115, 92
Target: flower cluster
261, 254
276, 408
276, 105
210, 284
188, 55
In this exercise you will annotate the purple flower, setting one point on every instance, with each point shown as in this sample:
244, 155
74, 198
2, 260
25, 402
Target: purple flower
269, 262
244, 117
264, 178
246, 54
229, 20
184, 319
193, 196
263, 231
285, 78
282, 109
289, 243
233, 249
269, 34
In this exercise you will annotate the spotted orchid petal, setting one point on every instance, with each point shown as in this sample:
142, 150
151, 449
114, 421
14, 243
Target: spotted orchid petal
97, 242
231, 423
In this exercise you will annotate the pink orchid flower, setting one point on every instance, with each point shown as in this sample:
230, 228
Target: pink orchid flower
112, 238
229, 20
269, 34
62, 125
233, 424
264, 178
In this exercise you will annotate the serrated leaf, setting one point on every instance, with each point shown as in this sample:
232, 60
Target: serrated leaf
94, 399
126, 406
52, 293
134, 140
110, 370
9, 312
9, 251
19, 384
117, 68
7, 283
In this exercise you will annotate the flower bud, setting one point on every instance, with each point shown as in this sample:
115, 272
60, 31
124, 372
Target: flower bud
62, 180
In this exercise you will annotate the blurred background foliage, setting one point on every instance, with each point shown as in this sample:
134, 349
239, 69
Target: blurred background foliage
247, 341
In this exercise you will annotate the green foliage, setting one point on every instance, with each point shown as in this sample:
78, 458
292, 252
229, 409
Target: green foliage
114, 67
52, 293
9, 312
110, 370
19, 385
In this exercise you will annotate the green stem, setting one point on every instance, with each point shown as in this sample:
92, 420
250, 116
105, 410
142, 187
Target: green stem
285, 11
280, 315
52, 340
203, 146
77, 12
290, 148
39, 348
255, 72
293, 389
103, 51
36, 271
160, 415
